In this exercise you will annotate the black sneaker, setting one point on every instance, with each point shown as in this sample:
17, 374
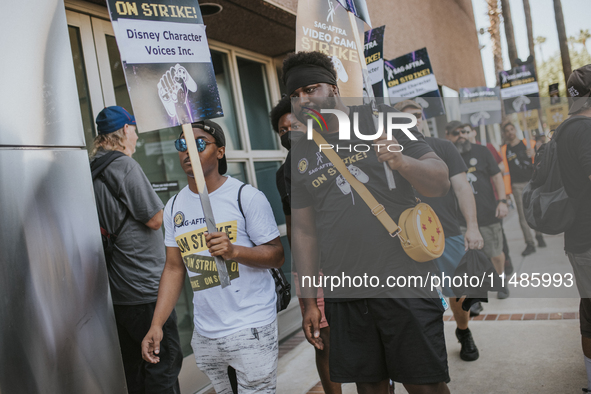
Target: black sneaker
475, 309
503, 294
469, 350
528, 250
541, 242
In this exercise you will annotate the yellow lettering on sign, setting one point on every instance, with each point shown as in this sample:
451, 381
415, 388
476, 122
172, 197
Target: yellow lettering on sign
126, 8
146, 10
163, 10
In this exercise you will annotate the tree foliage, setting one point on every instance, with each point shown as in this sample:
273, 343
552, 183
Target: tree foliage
550, 70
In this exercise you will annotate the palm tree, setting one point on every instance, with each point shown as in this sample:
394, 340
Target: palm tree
495, 35
509, 34
562, 40
571, 43
540, 40
530, 33
530, 30
584, 35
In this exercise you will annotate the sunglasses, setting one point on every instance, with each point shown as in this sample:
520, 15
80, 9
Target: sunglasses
455, 133
181, 145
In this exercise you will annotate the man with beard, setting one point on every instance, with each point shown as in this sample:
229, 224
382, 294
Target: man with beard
446, 209
481, 168
377, 333
290, 130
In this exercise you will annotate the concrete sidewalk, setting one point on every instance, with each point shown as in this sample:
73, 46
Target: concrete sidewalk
527, 345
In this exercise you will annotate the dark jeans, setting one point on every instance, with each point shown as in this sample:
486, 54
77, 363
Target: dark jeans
133, 323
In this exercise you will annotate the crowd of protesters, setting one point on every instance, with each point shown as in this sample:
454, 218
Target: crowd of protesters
371, 338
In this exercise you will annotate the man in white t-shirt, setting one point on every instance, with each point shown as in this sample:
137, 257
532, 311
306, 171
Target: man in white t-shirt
235, 326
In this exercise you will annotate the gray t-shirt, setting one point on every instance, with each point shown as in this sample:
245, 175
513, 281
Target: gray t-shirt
139, 253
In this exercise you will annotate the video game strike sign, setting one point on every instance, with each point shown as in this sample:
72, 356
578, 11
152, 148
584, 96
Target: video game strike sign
324, 26
167, 62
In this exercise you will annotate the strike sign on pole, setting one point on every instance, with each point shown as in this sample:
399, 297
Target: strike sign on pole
170, 76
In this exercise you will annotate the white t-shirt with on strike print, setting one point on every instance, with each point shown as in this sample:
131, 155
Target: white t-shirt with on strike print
250, 299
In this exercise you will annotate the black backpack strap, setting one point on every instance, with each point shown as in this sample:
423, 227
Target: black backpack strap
172, 205
240, 200
97, 166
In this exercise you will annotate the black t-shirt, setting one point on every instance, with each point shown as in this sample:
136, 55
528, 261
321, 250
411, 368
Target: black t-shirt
351, 240
520, 166
481, 166
446, 207
574, 158
280, 181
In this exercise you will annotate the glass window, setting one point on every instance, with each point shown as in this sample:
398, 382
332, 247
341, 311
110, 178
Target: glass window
118, 75
256, 104
266, 182
238, 171
228, 121
82, 83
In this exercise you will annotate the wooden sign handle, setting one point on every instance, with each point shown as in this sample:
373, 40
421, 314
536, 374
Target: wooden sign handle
194, 155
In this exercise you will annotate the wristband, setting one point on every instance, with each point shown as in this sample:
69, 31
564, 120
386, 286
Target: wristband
502, 201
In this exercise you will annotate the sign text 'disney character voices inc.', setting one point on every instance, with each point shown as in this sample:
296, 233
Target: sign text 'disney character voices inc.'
167, 62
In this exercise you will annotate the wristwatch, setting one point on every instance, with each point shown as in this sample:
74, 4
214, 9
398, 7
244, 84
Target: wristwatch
503, 201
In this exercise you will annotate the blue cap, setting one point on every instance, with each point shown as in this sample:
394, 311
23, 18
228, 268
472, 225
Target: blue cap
112, 119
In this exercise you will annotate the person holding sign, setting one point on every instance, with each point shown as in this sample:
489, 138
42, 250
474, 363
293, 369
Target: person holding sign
376, 333
130, 212
234, 326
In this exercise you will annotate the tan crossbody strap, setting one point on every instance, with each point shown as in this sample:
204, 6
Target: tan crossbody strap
376, 208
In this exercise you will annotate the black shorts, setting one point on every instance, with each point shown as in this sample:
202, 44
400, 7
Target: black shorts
379, 338
585, 317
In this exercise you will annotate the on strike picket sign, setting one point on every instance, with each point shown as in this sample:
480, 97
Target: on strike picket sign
519, 89
167, 62
480, 105
411, 77
374, 58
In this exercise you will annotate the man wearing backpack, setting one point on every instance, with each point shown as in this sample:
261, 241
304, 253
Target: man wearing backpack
574, 159
235, 326
130, 214
517, 161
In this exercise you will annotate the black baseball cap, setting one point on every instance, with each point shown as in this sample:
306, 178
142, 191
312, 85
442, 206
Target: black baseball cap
451, 126
217, 133
579, 88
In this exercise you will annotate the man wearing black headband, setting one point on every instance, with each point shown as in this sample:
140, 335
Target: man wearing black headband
377, 332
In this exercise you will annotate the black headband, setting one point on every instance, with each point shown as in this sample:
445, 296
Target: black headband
307, 74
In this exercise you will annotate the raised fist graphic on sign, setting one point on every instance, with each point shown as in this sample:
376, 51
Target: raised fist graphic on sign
173, 90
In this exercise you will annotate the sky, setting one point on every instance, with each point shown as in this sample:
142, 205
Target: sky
577, 15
